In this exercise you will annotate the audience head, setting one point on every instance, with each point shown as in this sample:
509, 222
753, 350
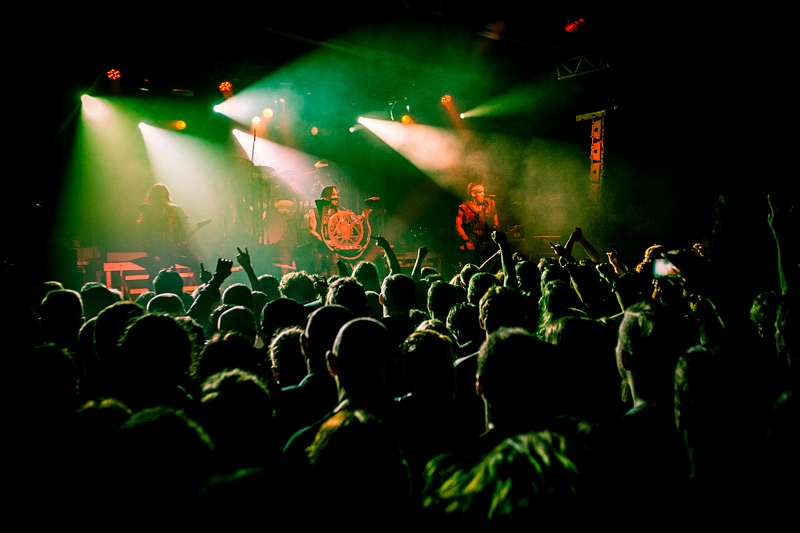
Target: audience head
269, 285
479, 283
260, 299
367, 274
61, 317
286, 356
239, 320
322, 327
428, 359
442, 296
162, 455
40, 291
466, 273
298, 286
349, 292
398, 294
95, 297
652, 335
156, 355
226, 352
237, 411
517, 369
281, 313
168, 280
360, 360
463, 321
167, 303
238, 294
503, 306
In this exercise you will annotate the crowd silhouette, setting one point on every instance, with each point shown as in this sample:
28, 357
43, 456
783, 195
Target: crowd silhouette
579, 389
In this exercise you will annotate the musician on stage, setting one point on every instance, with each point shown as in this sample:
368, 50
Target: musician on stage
319, 219
164, 233
476, 220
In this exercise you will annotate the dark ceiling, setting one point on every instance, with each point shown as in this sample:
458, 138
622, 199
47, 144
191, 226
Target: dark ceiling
694, 90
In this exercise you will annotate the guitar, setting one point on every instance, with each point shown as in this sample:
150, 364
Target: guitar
200, 225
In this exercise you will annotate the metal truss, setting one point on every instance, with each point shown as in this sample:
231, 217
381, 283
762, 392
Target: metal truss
585, 64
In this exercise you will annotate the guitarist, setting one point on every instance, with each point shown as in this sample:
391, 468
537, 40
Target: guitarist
165, 236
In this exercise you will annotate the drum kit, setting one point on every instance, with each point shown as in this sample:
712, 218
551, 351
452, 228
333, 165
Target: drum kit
265, 207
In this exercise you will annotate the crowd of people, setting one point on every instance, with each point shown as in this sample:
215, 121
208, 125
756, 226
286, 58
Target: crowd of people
579, 389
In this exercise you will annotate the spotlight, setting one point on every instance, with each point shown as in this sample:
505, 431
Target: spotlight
113, 74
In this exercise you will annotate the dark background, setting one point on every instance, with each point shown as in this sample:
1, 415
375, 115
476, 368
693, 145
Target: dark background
696, 100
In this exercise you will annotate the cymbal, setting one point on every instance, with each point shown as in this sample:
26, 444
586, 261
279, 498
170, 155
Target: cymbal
285, 206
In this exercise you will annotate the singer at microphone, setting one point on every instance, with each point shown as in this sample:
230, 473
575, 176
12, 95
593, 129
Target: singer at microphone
476, 220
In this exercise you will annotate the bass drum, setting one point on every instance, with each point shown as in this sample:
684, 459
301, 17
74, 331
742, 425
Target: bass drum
274, 226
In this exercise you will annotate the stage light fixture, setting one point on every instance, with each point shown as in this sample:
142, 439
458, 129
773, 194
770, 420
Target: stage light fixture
399, 108
574, 25
113, 74
226, 88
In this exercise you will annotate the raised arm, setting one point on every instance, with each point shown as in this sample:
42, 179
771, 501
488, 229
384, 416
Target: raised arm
564, 256
209, 294
509, 271
243, 258
391, 258
342, 269
591, 251
779, 223
422, 252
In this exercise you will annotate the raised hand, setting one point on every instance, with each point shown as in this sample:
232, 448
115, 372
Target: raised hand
499, 238
383, 243
243, 258
558, 249
224, 269
205, 275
